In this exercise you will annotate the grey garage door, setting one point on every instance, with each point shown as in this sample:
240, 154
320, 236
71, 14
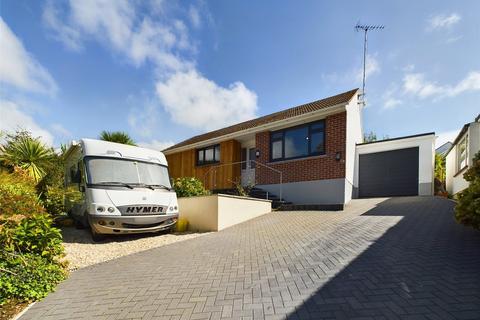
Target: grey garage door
389, 173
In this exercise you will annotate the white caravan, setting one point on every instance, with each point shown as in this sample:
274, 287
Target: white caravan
117, 188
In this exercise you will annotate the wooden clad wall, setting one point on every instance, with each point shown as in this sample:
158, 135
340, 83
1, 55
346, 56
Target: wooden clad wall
215, 176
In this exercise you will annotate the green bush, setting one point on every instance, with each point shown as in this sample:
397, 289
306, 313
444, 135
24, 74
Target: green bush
35, 235
27, 277
22, 150
18, 197
189, 187
30, 246
53, 200
467, 211
51, 187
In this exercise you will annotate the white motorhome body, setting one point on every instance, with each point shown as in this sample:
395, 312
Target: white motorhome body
117, 188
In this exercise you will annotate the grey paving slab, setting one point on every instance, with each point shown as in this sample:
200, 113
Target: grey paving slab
398, 258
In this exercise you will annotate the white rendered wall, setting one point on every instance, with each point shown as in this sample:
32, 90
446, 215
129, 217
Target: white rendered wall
454, 179
354, 136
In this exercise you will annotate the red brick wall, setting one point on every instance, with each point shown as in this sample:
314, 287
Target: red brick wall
306, 169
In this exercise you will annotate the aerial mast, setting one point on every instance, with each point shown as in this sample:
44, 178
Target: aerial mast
365, 29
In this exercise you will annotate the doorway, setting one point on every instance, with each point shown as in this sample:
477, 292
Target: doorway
248, 166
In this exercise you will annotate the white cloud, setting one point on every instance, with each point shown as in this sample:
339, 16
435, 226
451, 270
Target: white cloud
470, 83
194, 16
416, 84
64, 33
117, 25
372, 66
443, 21
61, 130
144, 121
197, 102
453, 39
156, 144
391, 103
19, 68
141, 37
111, 20
446, 136
14, 118
409, 68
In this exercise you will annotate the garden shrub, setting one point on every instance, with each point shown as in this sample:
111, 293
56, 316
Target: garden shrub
22, 150
189, 187
53, 200
35, 235
30, 246
467, 211
18, 197
51, 187
27, 277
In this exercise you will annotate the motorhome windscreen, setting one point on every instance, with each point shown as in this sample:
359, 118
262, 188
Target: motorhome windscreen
110, 170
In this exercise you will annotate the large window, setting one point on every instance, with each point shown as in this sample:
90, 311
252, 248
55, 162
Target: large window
462, 156
298, 142
208, 155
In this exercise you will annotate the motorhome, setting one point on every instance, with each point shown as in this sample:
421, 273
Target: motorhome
117, 189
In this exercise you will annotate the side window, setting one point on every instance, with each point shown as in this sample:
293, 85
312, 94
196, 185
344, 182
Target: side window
81, 171
75, 176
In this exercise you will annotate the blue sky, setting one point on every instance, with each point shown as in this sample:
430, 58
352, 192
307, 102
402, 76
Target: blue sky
164, 70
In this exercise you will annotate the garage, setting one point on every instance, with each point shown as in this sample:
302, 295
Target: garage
401, 166
389, 173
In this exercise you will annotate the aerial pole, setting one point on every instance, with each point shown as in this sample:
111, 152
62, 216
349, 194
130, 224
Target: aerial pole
365, 29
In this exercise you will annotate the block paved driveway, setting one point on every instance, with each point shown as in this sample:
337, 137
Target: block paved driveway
398, 258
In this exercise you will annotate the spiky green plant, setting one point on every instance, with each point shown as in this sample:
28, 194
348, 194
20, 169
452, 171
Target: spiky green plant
117, 136
23, 151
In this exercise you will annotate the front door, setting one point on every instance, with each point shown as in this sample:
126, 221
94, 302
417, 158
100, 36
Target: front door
248, 166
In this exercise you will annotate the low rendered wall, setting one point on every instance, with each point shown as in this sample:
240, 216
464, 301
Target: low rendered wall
219, 211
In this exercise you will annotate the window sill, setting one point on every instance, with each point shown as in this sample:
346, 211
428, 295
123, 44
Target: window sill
460, 171
298, 159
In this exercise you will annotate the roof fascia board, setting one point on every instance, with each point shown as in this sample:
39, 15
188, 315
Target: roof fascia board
323, 112
393, 141
460, 135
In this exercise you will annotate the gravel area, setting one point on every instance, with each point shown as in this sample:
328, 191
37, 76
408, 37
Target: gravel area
81, 251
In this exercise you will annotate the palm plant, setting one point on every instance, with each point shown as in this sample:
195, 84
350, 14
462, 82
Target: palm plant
29, 154
117, 136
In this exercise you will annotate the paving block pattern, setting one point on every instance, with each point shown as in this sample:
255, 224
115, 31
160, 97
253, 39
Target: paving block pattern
398, 258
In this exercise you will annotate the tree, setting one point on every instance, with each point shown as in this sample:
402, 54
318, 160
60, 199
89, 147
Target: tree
369, 137
117, 136
440, 167
21, 150
372, 136
440, 175
467, 211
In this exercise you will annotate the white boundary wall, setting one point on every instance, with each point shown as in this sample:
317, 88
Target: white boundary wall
219, 211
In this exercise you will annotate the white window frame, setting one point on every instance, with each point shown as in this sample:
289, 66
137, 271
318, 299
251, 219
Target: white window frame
463, 140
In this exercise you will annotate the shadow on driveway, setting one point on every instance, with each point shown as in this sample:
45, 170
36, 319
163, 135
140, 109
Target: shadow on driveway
424, 267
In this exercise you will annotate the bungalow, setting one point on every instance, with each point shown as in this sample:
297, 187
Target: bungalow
460, 156
311, 154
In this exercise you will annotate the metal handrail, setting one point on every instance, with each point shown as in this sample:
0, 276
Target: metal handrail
240, 162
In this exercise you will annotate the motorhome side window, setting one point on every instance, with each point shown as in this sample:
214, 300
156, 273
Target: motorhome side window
75, 175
